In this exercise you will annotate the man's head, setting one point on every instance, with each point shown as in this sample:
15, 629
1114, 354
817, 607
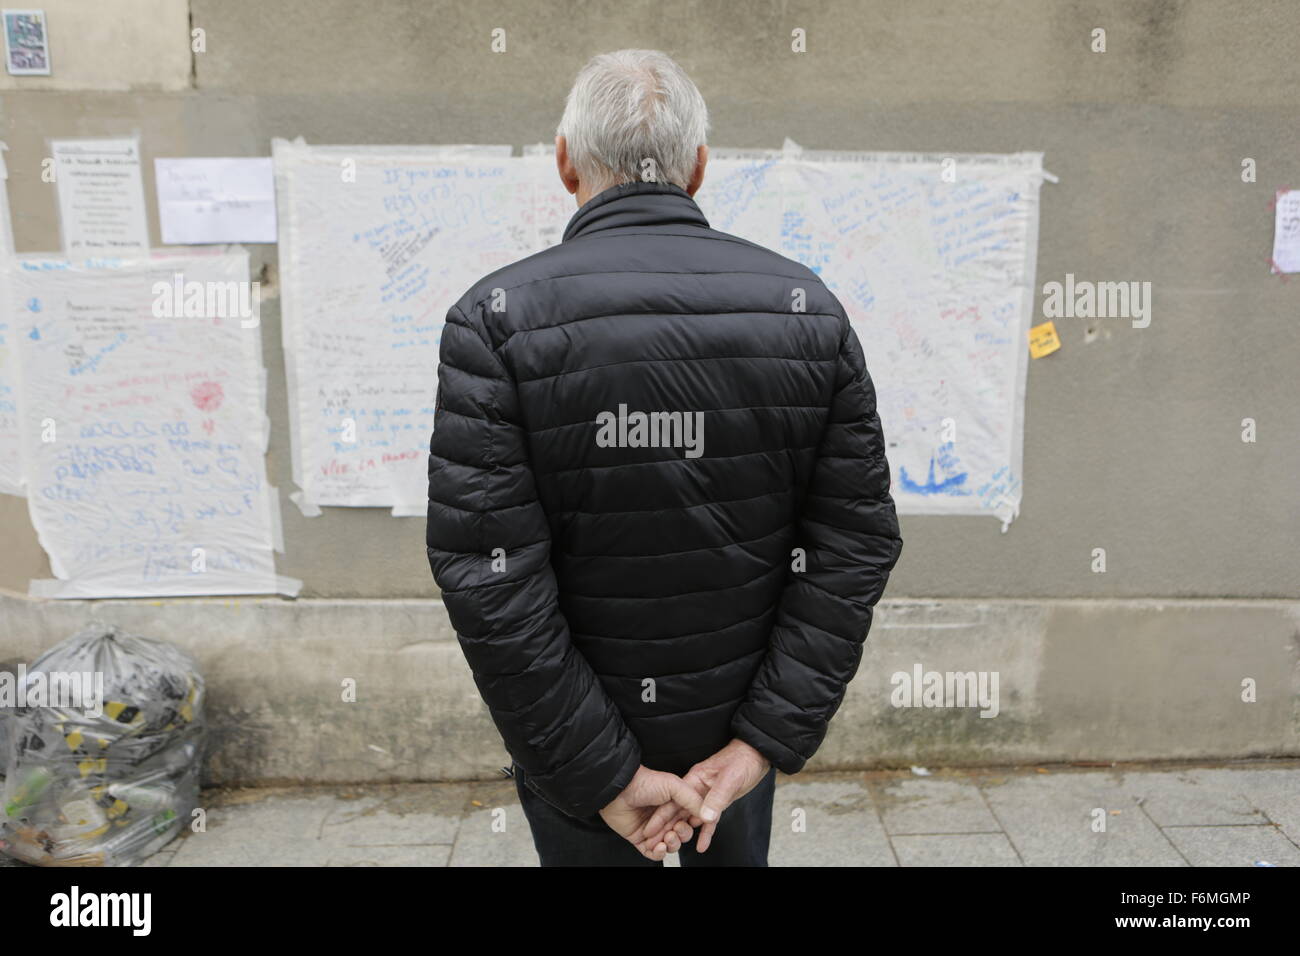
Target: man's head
632, 115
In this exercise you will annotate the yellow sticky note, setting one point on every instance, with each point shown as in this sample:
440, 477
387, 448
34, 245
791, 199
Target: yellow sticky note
1043, 340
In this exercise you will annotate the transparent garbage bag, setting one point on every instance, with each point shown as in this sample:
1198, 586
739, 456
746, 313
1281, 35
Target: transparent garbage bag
4, 743
104, 769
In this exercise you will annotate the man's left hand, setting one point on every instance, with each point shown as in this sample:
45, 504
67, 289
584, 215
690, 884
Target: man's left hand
720, 780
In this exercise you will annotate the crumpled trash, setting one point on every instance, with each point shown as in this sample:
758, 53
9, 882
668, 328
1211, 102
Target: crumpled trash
103, 761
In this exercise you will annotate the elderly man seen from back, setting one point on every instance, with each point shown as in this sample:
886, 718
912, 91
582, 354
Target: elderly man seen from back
659, 506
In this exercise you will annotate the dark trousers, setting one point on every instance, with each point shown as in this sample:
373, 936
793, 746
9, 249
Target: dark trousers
741, 838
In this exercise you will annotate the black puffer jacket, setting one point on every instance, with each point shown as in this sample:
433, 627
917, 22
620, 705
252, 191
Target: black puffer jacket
640, 604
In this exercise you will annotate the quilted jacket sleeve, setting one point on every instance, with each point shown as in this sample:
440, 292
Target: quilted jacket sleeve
489, 547
849, 531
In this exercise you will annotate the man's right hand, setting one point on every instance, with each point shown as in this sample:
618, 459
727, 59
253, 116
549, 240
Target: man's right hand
629, 812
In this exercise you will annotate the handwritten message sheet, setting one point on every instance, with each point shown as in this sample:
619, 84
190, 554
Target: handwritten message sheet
933, 258
375, 247
1286, 232
144, 431
215, 200
101, 197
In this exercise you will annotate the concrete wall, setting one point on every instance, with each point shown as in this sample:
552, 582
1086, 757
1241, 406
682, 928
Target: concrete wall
1132, 435
1077, 680
120, 45
1132, 438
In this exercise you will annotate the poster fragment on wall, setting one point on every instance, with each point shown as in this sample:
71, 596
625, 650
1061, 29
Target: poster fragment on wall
27, 43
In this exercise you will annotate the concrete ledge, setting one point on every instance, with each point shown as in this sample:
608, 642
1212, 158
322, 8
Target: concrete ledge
1077, 680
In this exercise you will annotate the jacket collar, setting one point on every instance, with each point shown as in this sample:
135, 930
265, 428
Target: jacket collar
635, 204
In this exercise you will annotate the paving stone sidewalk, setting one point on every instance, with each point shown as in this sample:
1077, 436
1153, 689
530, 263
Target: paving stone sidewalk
1236, 815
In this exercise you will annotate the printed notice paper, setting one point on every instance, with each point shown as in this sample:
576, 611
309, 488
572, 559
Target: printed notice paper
216, 200
101, 198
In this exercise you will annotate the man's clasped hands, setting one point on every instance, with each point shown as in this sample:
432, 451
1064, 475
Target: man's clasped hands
657, 812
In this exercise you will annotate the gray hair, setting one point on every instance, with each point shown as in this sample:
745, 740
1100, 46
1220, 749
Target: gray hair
629, 106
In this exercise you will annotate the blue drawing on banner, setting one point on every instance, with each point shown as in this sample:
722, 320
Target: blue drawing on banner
945, 458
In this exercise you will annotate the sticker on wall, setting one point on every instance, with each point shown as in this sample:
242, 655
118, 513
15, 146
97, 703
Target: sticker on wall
27, 44
1043, 340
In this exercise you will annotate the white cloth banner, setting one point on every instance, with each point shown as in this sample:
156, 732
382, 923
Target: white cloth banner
933, 259
144, 433
932, 256
376, 244
11, 469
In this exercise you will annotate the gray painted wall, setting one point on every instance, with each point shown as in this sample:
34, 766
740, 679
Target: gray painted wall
1132, 439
